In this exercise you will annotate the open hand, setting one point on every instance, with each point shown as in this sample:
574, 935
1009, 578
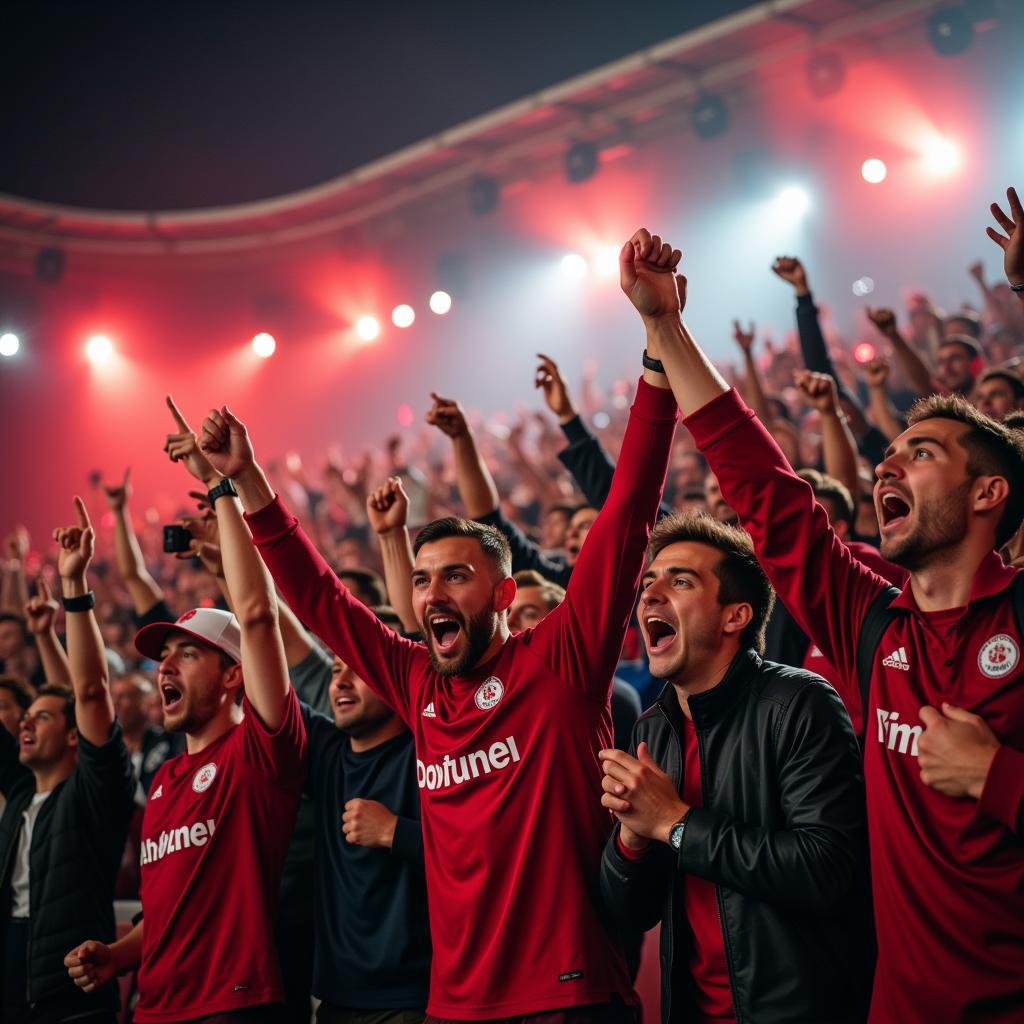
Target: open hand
640, 794
76, 545
224, 441
447, 416
1012, 243
387, 507
647, 274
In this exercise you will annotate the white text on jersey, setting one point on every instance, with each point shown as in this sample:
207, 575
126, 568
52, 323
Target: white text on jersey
177, 839
897, 735
454, 771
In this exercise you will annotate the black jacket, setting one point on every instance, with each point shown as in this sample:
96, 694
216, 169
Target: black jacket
782, 833
76, 848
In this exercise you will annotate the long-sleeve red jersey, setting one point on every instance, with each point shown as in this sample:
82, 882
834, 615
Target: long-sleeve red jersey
510, 782
947, 874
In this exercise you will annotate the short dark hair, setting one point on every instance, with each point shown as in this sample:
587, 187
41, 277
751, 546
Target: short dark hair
825, 486
1011, 378
993, 449
19, 619
1014, 420
22, 692
965, 341
740, 576
368, 582
969, 317
492, 541
66, 694
551, 593
389, 617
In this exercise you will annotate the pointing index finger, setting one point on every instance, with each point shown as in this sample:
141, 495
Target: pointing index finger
179, 419
83, 514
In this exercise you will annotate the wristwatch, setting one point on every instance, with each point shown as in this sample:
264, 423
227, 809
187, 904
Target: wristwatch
219, 490
675, 834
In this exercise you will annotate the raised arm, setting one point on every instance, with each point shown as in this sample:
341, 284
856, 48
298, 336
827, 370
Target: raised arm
839, 451
144, 591
387, 509
253, 598
13, 585
914, 367
476, 485
879, 405
94, 710
40, 613
307, 582
755, 390
1012, 243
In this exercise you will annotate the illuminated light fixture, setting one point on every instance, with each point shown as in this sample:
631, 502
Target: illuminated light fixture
873, 171
792, 203
942, 157
368, 328
950, 31
405, 416
403, 315
601, 420
574, 266
581, 161
99, 348
863, 286
9, 345
607, 261
263, 345
710, 116
484, 194
864, 352
826, 73
440, 303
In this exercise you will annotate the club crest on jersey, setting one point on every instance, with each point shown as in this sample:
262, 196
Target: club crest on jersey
203, 779
488, 694
998, 656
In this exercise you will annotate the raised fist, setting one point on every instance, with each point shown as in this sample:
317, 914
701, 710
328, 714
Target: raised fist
41, 609
790, 269
818, 390
118, 494
745, 339
647, 274
883, 319
224, 441
16, 544
387, 507
556, 391
183, 447
447, 416
90, 965
877, 372
76, 545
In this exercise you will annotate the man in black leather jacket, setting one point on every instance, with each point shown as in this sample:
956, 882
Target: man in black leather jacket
740, 808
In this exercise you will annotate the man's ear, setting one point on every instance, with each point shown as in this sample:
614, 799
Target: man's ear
504, 594
73, 737
990, 492
233, 677
736, 618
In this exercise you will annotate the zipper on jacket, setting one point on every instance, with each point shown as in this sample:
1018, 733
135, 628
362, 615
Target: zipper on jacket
667, 1010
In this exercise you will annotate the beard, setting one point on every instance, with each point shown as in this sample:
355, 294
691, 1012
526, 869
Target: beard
478, 631
940, 527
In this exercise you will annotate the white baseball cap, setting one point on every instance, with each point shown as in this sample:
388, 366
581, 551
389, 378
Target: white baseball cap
211, 625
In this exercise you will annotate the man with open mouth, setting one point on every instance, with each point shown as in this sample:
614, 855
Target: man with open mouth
507, 727
219, 816
935, 669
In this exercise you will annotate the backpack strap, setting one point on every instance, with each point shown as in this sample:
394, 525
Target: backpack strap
1017, 596
876, 622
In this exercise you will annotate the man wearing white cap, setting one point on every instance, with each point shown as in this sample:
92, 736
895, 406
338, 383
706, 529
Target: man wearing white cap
220, 815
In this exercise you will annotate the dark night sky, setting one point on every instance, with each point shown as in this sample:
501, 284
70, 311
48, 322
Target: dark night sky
160, 105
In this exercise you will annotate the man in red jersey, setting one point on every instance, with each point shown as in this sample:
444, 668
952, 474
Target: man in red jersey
220, 816
944, 752
507, 727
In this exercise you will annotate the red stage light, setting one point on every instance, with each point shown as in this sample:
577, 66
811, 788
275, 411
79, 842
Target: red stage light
864, 352
405, 416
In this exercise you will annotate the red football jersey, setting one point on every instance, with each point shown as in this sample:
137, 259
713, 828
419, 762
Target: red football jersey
510, 782
214, 838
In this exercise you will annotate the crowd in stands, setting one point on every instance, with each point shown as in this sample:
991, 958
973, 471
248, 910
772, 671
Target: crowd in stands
324, 659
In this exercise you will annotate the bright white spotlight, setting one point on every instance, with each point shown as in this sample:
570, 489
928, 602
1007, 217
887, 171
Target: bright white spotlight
792, 203
863, 286
942, 157
263, 345
99, 349
367, 328
9, 344
403, 315
607, 261
440, 303
574, 266
873, 171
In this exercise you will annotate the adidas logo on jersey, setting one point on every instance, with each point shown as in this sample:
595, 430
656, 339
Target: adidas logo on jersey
453, 771
898, 659
177, 839
429, 712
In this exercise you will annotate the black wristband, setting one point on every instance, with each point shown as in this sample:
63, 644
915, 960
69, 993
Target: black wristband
219, 490
1017, 287
653, 364
85, 603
